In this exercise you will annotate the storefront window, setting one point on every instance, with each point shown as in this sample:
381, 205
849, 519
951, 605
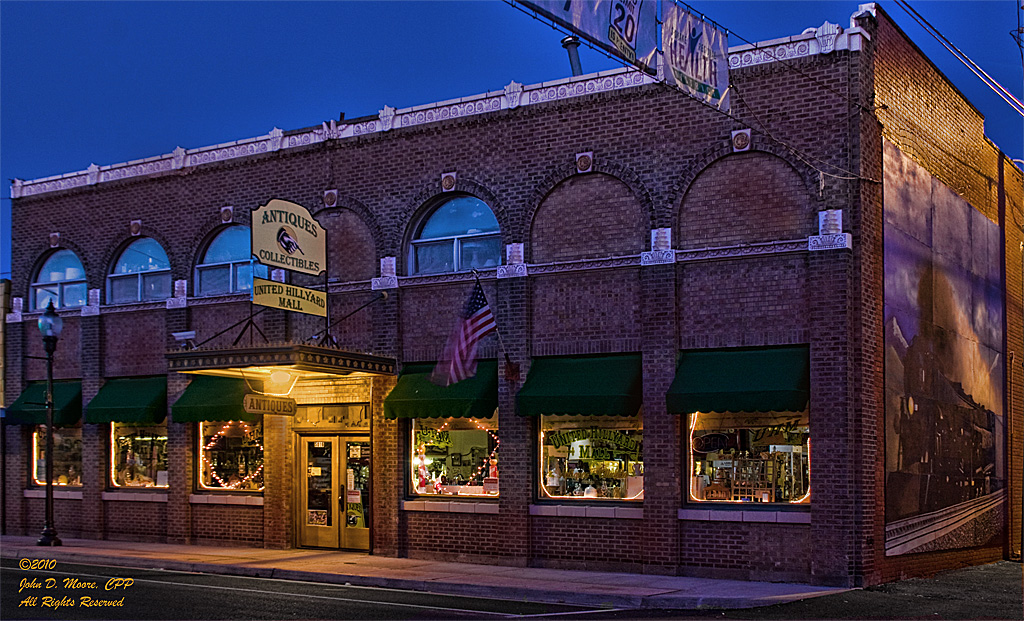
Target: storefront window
138, 455
592, 457
455, 456
232, 455
67, 456
762, 458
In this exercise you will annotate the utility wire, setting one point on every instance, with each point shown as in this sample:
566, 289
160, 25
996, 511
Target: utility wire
989, 81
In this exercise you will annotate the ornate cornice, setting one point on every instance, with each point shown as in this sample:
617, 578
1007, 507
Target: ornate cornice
513, 96
746, 250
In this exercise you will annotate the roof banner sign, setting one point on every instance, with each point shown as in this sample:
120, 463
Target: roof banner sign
625, 28
286, 235
696, 55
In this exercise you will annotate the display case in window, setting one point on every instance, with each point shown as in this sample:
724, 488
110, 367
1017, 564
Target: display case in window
454, 456
138, 456
762, 458
592, 457
67, 456
231, 456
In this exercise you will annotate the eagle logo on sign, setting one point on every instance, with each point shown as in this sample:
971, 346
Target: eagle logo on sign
286, 239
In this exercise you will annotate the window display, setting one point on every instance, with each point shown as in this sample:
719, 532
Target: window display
750, 458
232, 455
138, 455
67, 456
592, 457
455, 456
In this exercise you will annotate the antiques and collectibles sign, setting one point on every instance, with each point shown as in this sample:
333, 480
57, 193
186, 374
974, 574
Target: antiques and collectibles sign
265, 404
285, 235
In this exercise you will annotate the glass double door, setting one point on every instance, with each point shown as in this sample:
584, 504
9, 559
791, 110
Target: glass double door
334, 495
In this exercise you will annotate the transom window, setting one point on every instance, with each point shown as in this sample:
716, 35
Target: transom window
142, 273
461, 234
60, 279
225, 266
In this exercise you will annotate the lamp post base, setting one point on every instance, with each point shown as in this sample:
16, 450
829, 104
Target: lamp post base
49, 538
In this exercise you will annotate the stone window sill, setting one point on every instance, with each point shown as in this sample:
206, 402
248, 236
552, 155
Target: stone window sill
450, 507
739, 515
588, 511
218, 499
60, 494
136, 496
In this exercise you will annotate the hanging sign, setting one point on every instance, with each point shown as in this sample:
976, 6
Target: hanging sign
696, 55
264, 404
626, 28
286, 235
289, 297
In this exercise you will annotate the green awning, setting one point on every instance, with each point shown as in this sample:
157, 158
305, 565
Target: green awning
129, 400
415, 396
29, 408
212, 398
599, 385
765, 379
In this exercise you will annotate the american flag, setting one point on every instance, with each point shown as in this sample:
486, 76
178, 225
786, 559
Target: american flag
458, 361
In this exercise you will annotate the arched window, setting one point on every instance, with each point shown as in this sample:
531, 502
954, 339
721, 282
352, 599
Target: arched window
225, 266
61, 279
142, 273
461, 234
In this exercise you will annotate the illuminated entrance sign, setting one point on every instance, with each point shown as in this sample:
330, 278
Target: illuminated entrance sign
263, 404
289, 297
285, 235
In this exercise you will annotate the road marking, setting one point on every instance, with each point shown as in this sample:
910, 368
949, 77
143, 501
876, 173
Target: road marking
575, 612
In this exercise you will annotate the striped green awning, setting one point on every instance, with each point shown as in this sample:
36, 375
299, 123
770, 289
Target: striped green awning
129, 400
211, 398
415, 396
764, 379
597, 385
30, 408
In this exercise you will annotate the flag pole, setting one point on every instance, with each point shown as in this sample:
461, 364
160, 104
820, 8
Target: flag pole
511, 368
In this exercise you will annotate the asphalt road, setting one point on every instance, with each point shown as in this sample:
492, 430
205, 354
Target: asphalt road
987, 592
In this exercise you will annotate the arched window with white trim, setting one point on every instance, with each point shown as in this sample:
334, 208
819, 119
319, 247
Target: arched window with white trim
460, 234
141, 274
61, 279
225, 266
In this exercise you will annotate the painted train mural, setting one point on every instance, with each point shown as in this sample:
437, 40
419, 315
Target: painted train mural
944, 419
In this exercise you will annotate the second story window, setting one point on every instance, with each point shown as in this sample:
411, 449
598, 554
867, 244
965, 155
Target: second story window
142, 274
61, 279
225, 266
461, 234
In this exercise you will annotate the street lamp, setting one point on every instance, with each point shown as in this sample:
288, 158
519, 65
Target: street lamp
50, 325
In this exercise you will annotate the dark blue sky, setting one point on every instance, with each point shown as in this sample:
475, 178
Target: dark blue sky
108, 82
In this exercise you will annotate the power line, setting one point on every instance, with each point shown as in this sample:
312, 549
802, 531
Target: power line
988, 80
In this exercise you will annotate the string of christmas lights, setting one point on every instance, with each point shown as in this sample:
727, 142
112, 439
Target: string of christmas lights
213, 471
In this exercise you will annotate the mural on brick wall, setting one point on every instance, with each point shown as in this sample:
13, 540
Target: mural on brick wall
944, 419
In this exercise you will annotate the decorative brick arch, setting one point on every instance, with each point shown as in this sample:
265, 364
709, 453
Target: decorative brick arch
428, 198
774, 196
360, 253
568, 170
115, 249
370, 221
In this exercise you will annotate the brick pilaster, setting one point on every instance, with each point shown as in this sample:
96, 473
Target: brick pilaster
518, 434
94, 437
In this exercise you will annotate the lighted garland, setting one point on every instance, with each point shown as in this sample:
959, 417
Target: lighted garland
209, 447
483, 467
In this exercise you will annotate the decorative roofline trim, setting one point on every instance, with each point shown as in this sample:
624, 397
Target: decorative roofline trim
512, 96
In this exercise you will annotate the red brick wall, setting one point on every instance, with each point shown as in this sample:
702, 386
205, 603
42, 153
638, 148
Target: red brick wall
351, 254
746, 198
455, 536
227, 524
598, 312
135, 521
587, 543
133, 344
588, 216
746, 551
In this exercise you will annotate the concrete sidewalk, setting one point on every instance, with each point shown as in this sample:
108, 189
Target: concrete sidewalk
586, 588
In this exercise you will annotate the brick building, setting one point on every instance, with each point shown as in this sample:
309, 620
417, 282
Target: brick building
777, 343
